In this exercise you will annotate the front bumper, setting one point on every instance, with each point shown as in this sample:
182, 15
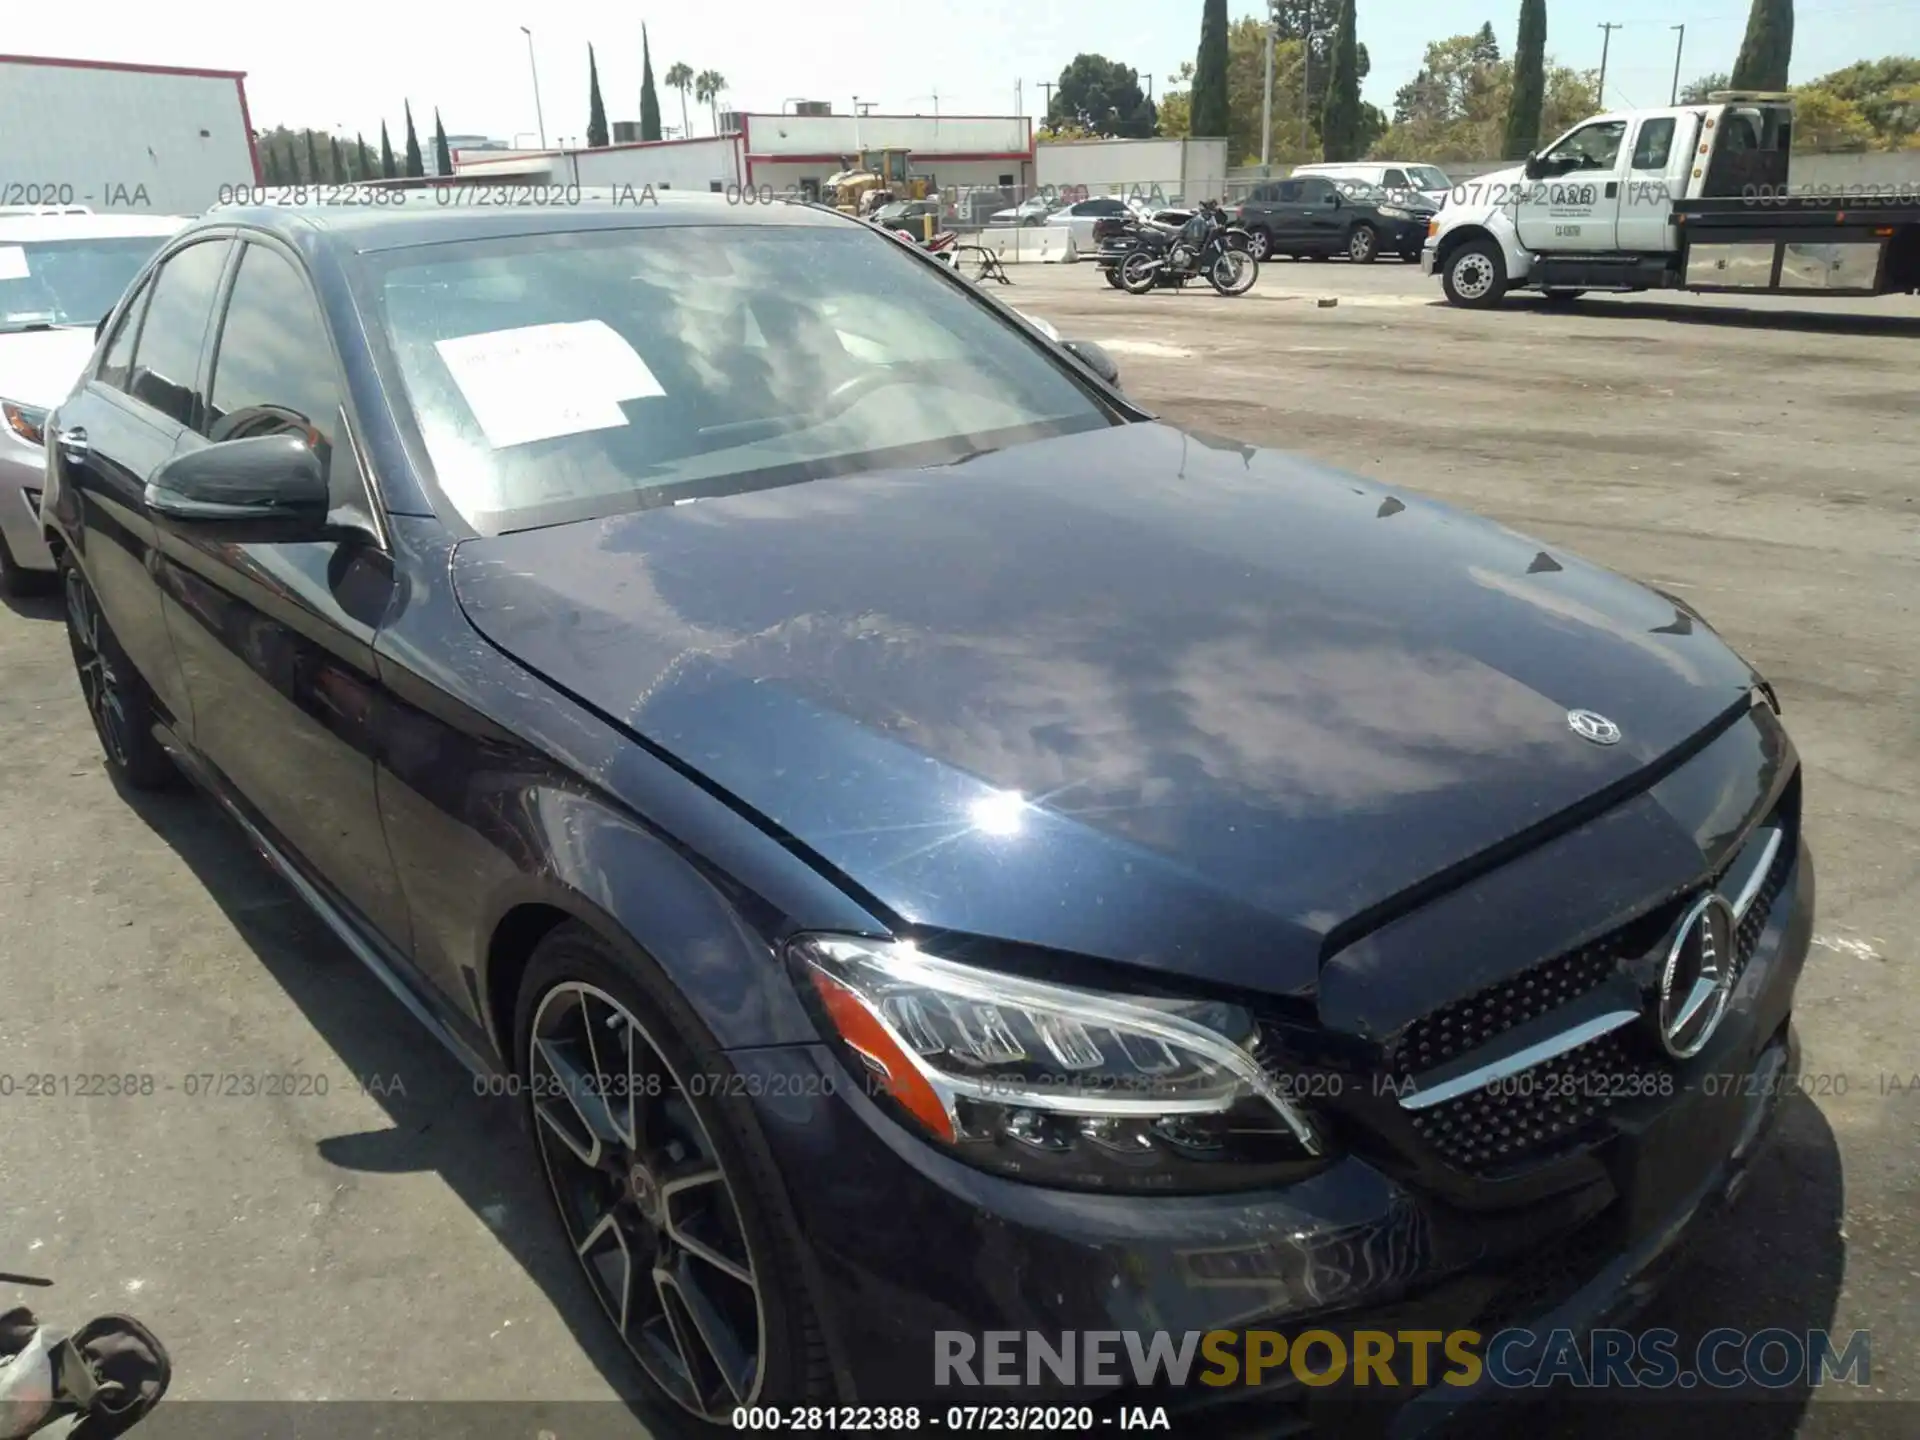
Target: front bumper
1429, 259
23, 472
904, 1242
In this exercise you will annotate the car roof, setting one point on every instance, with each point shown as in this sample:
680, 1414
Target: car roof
428, 219
25, 229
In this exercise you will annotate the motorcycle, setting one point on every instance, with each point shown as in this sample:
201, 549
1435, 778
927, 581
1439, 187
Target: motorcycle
1205, 247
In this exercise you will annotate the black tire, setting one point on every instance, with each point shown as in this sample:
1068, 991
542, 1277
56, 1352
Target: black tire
792, 1364
1260, 243
1112, 272
16, 579
115, 696
1475, 275
1363, 244
1135, 280
1246, 272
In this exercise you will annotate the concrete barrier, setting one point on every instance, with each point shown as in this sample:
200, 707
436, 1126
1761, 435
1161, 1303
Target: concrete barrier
1027, 244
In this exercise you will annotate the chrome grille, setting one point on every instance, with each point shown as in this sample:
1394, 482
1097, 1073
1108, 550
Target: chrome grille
1552, 1104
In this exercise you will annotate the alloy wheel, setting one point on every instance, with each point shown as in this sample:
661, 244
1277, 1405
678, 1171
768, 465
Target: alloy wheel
100, 681
1361, 245
1259, 244
645, 1200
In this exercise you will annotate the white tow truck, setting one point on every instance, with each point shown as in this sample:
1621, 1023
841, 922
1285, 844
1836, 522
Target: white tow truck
1692, 197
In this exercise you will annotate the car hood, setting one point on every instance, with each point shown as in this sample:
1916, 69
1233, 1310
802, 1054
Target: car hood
1139, 694
38, 367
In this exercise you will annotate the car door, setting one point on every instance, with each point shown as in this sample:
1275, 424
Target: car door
1646, 202
1285, 217
1322, 216
1575, 204
276, 639
117, 429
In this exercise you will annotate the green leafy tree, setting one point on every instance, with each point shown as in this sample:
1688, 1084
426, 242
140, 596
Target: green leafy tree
415, 166
1767, 50
649, 97
1340, 124
269, 163
1827, 124
1695, 92
1529, 82
1887, 94
708, 86
1102, 97
679, 77
1209, 105
1456, 107
442, 156
387, 168
596, 109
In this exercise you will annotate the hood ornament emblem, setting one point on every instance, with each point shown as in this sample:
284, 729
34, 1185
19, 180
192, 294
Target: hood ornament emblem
1591, 725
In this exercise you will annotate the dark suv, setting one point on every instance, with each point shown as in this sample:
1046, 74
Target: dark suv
1316, 217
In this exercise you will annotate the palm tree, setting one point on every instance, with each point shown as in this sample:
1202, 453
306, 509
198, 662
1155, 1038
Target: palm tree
707, 86
680, 78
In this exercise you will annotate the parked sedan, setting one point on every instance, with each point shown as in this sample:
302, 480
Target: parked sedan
1027, 212
60, 273
933, 848
1315, 217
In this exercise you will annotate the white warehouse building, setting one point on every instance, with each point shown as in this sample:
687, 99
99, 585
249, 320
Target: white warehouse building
782, 153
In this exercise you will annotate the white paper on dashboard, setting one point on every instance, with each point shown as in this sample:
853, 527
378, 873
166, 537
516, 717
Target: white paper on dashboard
13, 263
541, 381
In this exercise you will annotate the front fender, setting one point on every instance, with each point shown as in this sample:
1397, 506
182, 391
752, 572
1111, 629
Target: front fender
1490, 222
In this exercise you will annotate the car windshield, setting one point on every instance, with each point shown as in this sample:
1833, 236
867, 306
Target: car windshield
67, 282
557, 377
1426, 177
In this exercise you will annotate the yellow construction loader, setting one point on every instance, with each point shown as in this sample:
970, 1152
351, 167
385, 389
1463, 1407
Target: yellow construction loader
871, 179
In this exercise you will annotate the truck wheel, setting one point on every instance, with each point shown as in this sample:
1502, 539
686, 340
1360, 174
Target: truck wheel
1363, 245
1475, 275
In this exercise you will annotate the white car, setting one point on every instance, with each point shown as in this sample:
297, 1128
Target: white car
1390, 175
61, 273
1080, 218
1027, 212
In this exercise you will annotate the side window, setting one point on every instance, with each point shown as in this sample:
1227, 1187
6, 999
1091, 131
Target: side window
1289, 192
1394, 179
1655, 143
1592, 147
1316, 191
166, 358
273, 370
116, 366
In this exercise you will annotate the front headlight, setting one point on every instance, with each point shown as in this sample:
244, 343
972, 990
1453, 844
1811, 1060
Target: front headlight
29, 422
1059, 1085
1394, 212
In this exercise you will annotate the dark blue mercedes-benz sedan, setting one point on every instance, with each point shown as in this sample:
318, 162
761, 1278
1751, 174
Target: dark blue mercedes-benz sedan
935, 849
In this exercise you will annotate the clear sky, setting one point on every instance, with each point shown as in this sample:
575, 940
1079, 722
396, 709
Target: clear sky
349, 64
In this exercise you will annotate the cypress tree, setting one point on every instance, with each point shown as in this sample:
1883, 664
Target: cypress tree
1767, 50
313, 161
1340, 121
1529, 82
363, 160
596, 109
649, 98
387, 168
336, 159
1208, 112
442, 156
416, 167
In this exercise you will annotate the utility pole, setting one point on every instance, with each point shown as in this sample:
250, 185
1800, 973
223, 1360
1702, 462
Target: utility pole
1266, 105
1049, 87
540, 118
1678, 45
1606, 41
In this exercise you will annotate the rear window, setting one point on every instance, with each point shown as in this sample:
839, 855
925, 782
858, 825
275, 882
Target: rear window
556, 377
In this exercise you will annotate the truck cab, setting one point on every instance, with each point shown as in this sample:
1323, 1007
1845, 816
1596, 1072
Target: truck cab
1629, 200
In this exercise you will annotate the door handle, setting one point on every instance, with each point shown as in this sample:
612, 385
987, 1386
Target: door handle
73, 442
1613, 188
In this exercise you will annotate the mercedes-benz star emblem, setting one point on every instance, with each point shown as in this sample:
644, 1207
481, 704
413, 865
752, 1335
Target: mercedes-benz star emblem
1591, 725
1697, 980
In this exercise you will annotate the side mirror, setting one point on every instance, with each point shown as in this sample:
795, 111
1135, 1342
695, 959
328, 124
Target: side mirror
1533, 169
265, 487
1095, 359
